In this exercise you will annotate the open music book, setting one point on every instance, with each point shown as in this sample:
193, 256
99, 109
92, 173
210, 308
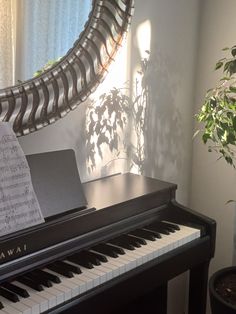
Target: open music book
19, 207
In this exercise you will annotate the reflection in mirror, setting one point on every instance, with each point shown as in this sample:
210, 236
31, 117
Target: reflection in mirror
38, 31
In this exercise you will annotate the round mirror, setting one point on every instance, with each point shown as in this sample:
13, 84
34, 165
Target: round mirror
42, 100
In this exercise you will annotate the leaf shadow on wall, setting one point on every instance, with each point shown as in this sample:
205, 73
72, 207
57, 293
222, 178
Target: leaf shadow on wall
106, 129
163, 134
141, 125
116, 125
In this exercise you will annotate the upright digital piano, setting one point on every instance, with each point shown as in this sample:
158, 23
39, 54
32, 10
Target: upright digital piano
114, 255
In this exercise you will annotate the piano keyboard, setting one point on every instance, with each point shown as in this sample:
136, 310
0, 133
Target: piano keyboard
43, 289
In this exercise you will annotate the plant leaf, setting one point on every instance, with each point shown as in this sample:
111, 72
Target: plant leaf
232, 89
233, 51
218, 65
230, 201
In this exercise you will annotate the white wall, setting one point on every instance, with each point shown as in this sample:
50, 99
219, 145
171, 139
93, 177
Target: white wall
168, 134
213, 182
174, 43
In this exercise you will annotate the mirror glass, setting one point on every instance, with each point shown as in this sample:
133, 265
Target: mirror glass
41, 33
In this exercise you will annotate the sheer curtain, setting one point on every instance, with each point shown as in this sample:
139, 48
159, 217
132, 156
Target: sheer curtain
47, 29
7, 42
32, 32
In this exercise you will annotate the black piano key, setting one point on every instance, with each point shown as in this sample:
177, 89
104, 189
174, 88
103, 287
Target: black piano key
157, 227
18, 290
116, 249
141, 240
11, 296
132, 240
30, 283
40, 279
105, 249
171, 225
167, 227
60, 270
48, 275
100, 257
73, 268
154, 233
121, 242
145, 234
90, 257
1, 306
80, 260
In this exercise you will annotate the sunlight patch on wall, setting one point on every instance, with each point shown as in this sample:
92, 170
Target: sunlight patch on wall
140, 97
117, 75
144, 38
105, 121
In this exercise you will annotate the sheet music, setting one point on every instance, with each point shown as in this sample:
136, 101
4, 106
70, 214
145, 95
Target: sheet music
19, 207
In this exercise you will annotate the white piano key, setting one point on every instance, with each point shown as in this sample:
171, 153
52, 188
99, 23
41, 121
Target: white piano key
175, 240
142, 254
84, 283
24, 305
31, 303
8, 308
126, 263
50, 296
88, 281
65, 290
119, 266
149, 252
19, 306
101, 274
69, 283
61, 287
75, 285
135, 259
35, 296
90, 274
53, 294
108, 271
129, 260
81, 284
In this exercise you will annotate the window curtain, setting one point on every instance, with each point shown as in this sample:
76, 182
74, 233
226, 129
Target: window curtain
47, 30
7, 42
33, 32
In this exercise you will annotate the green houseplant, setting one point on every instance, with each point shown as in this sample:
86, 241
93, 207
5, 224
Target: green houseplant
218, 116
218, 112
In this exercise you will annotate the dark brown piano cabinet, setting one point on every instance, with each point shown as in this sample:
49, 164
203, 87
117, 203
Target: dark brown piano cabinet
119, 204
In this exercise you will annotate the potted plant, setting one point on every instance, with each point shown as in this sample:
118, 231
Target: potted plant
218, 115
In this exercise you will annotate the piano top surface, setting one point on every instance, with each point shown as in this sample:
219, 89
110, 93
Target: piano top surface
110, 200
117, 189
